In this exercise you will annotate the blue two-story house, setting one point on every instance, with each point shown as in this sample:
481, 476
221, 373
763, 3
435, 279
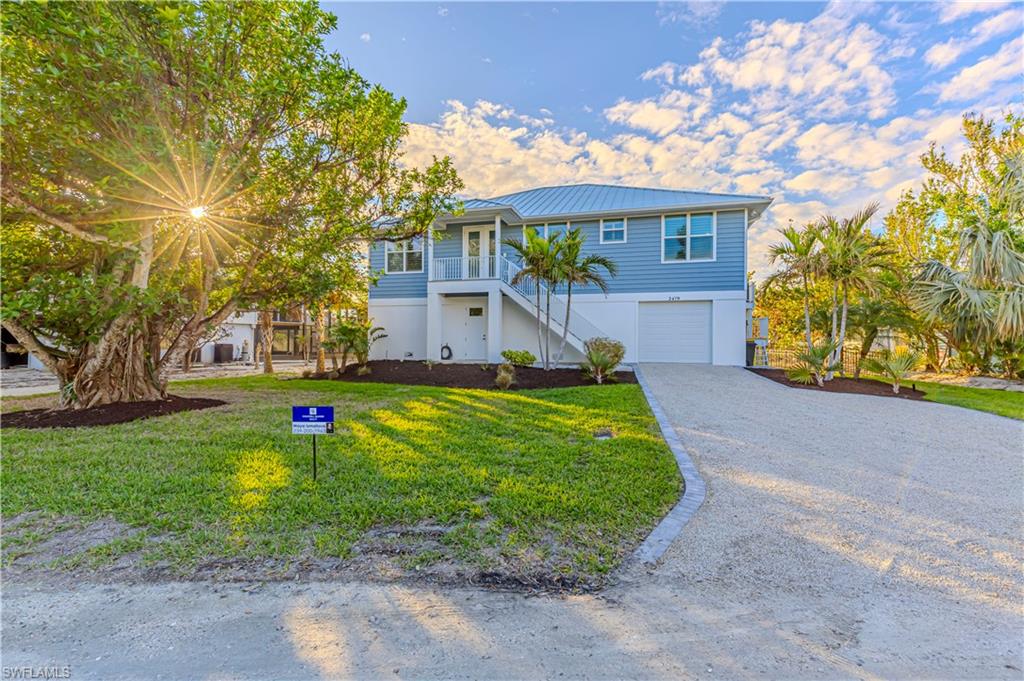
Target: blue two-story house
680, 295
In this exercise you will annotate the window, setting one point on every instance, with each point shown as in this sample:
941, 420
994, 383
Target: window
688, 238
613, 231
548, 230
403, 256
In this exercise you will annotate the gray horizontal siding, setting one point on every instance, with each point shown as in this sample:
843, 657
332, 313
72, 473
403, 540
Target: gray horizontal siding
395, 285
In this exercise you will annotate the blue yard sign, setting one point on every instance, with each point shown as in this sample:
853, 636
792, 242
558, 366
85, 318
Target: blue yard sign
313, 421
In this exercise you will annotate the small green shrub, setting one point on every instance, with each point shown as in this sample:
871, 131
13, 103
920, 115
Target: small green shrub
894, 365
519, 358
506, 376
603, 356
814, 364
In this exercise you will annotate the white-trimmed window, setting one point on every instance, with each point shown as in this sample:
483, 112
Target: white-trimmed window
548, 230
688, 238
403, 256
613, 231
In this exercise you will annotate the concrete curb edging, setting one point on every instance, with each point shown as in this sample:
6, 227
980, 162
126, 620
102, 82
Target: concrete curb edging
694, 492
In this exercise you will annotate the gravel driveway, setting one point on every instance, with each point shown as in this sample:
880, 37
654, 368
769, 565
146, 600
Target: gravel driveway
843, 537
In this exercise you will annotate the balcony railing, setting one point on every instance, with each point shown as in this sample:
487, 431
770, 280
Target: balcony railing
464, 267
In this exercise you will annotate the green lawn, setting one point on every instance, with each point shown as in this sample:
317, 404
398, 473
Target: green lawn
1002, 402
512, 481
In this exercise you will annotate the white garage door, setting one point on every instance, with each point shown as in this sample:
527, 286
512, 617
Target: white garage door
675, 332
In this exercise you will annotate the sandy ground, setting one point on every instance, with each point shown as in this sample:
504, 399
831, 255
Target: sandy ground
844, 536
22, 381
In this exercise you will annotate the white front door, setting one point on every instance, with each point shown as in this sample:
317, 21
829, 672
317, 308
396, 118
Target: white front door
475, 340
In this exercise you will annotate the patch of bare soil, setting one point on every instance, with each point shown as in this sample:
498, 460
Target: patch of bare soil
105, 414
839, 384
465, 375
61, 551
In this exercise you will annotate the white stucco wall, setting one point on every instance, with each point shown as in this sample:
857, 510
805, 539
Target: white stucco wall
405, 322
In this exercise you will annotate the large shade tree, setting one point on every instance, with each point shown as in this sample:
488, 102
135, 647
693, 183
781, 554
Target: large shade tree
157, 159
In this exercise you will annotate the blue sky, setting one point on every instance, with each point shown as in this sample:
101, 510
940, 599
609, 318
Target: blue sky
823, 106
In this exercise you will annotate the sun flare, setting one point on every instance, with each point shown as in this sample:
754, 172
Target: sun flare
197, 212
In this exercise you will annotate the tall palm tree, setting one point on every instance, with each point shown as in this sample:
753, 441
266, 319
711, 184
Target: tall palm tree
538, 256
851, 258
575, 269
798, 255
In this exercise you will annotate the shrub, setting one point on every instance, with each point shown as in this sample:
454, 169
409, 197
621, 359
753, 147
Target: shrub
519, 358
506, 376
814, 364
894, 365
603, 356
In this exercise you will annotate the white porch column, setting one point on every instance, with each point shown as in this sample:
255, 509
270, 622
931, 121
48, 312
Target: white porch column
497, 243
429, 253
494, 313
434, 322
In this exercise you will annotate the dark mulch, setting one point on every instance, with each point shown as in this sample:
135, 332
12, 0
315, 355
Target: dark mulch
105, 414
860, 386
467, 375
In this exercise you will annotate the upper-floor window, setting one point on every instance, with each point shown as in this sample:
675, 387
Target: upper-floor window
613, 231
688, 238
403, 256
548, 230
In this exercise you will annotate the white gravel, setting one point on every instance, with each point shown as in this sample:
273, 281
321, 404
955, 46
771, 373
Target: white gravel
843, 537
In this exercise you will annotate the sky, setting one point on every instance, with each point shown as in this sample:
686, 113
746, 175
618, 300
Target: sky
824, 107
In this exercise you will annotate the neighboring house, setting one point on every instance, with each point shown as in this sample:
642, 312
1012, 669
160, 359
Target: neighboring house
681, 293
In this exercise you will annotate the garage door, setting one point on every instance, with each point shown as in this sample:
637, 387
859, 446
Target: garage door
675, 332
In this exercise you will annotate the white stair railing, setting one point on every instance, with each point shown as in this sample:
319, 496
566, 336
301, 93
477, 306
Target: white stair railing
580, 328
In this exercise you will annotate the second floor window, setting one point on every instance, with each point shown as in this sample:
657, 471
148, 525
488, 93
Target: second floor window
403, 256
686, 238
613, 231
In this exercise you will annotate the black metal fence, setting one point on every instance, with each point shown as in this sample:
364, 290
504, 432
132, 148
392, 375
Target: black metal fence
787, 358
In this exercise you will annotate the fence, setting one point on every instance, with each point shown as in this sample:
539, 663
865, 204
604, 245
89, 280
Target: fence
787, 358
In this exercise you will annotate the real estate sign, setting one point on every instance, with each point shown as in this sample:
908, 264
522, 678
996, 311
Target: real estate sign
312, 420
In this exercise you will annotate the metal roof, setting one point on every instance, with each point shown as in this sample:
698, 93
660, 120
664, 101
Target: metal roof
582, 199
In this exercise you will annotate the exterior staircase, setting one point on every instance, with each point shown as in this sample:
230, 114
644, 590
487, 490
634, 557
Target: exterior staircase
524, 293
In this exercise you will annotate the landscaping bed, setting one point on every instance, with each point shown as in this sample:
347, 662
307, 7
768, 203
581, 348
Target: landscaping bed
839, 384
466, 375
104, 414
541, 490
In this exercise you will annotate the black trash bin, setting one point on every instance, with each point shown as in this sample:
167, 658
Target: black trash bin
223, 353
750, 353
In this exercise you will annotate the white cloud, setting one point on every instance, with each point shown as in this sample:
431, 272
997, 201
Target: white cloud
366, 37
941, 55
951, 11
1006, 64
696, 13
442, 11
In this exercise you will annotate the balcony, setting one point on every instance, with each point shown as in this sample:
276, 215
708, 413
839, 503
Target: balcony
461, 268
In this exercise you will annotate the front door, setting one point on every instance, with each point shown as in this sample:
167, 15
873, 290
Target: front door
479, 249
475, 340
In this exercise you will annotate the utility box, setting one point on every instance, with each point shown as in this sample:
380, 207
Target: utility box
223, 353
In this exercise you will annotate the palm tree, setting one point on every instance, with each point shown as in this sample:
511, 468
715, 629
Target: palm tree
851, 259
538, 256
798, 254
574, 270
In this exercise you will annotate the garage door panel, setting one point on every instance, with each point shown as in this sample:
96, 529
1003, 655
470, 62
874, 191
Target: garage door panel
675, 332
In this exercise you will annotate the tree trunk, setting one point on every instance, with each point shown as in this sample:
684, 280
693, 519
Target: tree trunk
318, 341
565, 325
547, 331
267, 331
865, 348
126, 376
807, 314
540, 327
